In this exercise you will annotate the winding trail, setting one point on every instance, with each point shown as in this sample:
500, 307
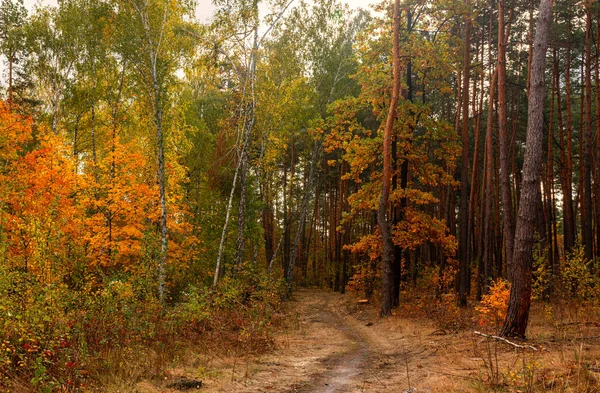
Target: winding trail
344, 370
334, 345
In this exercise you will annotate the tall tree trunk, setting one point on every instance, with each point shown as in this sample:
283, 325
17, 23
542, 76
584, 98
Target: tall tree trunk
218, 267
520, 294
303, 211
267, 222
240, 241
570, 229
548, 182
162, 184
463, 241
346, 236
399, 210
562, 164
586, 211
507, 207
387, 277
475, 220
158, 102
488, 249
249, 118
597, 152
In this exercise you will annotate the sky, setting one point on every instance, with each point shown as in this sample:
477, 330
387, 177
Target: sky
205, 7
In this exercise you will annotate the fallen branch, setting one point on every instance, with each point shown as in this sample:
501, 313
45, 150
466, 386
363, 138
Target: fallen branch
506, 341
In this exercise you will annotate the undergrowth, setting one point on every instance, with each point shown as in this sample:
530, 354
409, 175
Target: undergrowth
70, 339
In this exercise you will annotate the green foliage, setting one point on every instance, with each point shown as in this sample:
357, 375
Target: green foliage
542, 274
577, 279
39, 335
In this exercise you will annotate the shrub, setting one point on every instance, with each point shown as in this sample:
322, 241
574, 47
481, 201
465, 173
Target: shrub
55, 337
577, 279
494, 305
239, 310
542, 274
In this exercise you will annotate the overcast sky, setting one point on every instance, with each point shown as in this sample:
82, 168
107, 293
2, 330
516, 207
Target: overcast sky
206, 8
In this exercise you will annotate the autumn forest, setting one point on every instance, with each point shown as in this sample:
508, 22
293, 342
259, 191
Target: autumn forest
174, 188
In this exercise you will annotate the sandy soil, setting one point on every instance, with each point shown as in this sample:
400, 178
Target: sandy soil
338, 345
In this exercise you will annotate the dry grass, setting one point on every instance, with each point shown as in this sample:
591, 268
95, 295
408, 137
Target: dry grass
207, 354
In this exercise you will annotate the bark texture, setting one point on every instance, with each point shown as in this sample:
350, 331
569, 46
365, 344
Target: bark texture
387, 254
507, 206
463, 241
520, 294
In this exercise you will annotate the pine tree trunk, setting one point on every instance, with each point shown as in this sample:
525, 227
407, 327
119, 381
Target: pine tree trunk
387, 277
586, 211
597, 155
507, 206
488, 247
520, 294
248, 124
303, 211
267, 222
463, 241
570, 229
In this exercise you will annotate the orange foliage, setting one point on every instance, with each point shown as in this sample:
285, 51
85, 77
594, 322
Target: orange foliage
52, 216
493, 306
122, 206
419, 227
41, 222
15, 130
368, 244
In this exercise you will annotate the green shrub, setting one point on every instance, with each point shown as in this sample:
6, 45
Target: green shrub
577, 279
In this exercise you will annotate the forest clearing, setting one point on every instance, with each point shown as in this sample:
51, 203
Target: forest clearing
299, 196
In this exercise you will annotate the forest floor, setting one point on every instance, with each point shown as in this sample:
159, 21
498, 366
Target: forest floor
334, 344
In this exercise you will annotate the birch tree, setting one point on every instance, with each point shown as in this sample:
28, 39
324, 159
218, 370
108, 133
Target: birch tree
152, 37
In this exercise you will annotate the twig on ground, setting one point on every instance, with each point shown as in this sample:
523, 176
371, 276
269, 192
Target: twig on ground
506, 341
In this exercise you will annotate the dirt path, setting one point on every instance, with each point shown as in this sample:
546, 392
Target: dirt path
344, 370
340, 346
333, 344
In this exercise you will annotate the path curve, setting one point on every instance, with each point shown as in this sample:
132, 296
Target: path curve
332, 344
344, 371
